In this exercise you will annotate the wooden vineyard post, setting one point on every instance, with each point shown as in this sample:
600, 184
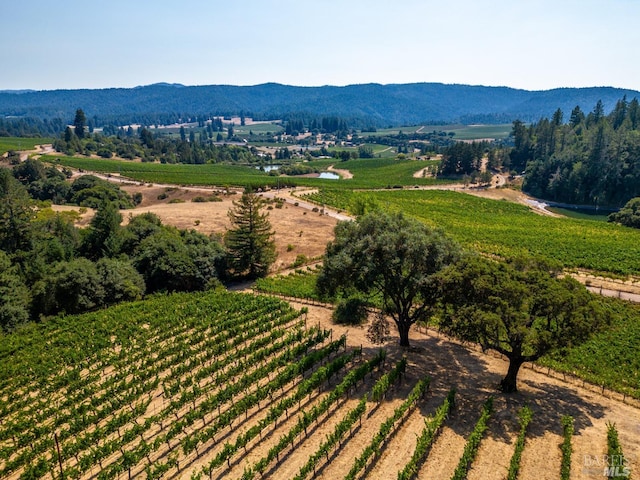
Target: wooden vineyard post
55, 437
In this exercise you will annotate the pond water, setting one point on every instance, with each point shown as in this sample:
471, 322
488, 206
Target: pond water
329, 175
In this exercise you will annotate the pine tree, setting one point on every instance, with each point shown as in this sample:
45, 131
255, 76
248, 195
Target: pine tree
79, 123
250, 243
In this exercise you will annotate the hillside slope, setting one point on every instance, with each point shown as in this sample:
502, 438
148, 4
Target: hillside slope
373, 104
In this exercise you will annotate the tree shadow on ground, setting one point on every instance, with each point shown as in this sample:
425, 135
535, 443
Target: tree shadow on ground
476, 376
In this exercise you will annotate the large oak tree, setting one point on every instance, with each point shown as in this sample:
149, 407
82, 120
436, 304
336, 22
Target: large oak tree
518, 308
392, 258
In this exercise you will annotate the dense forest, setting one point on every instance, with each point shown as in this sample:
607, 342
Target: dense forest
370, 105
593, 159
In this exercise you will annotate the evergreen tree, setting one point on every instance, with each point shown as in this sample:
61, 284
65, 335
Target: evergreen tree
577, 117
557, 117
79, 123
15, 213
598, 111
103, 238
250, 243
14, 295
589, 161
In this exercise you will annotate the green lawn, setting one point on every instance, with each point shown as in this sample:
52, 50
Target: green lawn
258, 129
477, 132
462, 132
584, 215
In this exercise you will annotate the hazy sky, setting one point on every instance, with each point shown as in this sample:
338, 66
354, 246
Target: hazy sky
533, 44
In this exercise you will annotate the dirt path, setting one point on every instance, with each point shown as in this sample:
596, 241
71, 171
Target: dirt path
299, 230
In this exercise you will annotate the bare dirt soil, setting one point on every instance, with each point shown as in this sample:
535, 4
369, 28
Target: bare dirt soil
475, 375
298, 230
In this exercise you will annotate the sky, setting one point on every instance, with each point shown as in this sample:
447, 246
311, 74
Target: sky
532, 44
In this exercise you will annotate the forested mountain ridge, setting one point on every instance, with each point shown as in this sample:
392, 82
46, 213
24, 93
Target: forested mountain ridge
373, 104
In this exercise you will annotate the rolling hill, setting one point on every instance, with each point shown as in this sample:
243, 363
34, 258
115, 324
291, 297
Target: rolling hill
371, 104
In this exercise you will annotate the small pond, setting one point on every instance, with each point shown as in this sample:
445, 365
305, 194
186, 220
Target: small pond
329, 176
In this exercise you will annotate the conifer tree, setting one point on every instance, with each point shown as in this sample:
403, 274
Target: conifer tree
250, 242
79, 123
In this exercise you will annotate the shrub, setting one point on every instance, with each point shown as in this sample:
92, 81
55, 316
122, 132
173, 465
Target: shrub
299, 261
350, 311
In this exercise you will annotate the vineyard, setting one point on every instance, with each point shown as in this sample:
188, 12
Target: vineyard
369, 173
21, 143
608, 359
222, 385
508, 229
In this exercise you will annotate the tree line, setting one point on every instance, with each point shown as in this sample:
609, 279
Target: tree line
196, 148
593, 159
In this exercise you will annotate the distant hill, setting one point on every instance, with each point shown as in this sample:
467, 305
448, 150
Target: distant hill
372, 104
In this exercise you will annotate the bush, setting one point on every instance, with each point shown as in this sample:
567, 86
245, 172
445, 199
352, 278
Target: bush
350, 311
72, 287
120, 281
629, 215
211, 198
299, 261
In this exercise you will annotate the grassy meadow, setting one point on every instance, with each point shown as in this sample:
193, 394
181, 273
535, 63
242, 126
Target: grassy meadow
461, 132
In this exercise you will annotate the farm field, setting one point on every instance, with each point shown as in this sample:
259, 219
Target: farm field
21, 143
368, 173
506, 229
224, 385
217, 444
480, 132
462, 132
608, 359
258, 129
